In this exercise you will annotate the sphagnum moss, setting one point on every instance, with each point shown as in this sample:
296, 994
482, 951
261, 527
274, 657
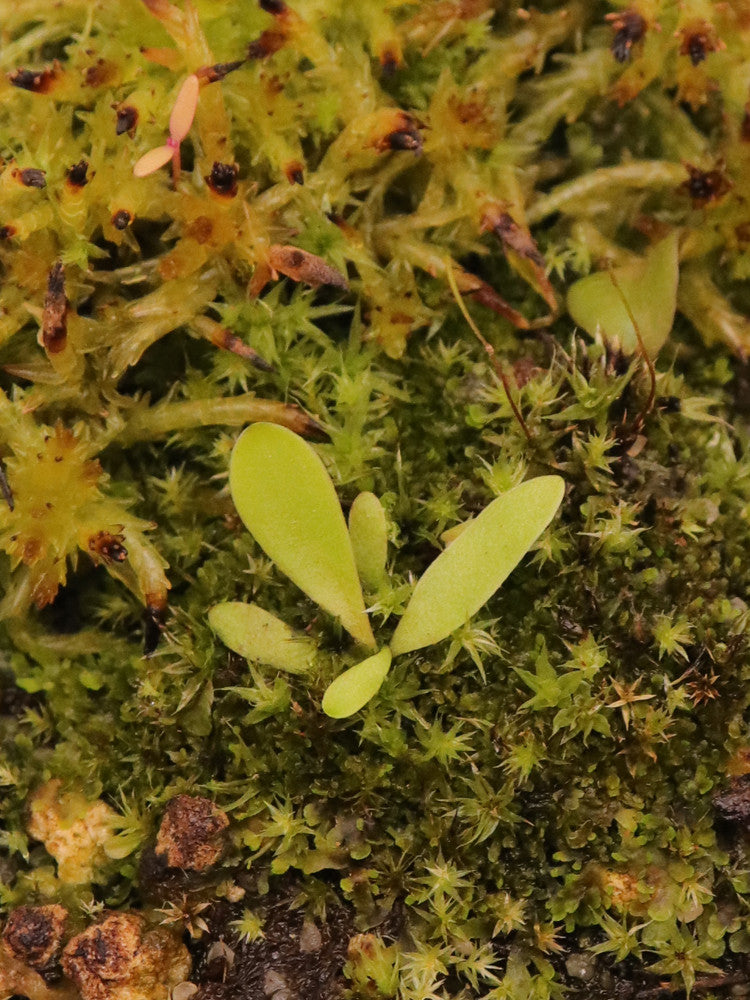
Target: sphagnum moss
528, 806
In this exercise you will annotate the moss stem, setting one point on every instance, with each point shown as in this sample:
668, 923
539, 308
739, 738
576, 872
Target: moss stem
165, 418
638, 174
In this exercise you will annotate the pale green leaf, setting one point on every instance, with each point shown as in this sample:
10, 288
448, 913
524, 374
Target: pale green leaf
261, 637
369, 534
354, 688
469, 571
287, 501
648, 285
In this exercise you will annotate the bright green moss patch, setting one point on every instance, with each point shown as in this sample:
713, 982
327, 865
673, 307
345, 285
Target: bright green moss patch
530, 804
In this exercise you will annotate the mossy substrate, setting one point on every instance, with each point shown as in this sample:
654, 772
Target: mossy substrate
558, 796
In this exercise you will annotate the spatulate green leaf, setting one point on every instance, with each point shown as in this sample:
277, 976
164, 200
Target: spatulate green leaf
369, 534
356, 686
469, 571
287, 501
261, 637
650, 288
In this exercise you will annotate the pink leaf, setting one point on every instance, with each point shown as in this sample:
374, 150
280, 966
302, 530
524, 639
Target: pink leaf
152, 160
183, 111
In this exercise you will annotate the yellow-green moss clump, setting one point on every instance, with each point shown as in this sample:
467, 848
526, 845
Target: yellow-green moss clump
373, 198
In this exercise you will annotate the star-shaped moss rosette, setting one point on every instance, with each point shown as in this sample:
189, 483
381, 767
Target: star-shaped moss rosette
288, 502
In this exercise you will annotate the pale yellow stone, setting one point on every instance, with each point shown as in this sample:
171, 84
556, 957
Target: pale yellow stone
73, 829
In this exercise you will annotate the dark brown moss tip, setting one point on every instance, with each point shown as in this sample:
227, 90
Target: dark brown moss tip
705, 186
695, 47
629, 28
54, 318
485, 294
274, 7
513, 236
189, 835
212, 74
122, 219
34, 934
7, 232
126, 119
398, 130
5, 490
697, 40
294, 172
390, 60
268, 43
223, 179
77, 174
35, 81
229, 341
101, 73
408, 138
153, 623
31, 177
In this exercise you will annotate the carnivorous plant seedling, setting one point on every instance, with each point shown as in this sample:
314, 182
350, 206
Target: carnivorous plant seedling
180, 122
287, 500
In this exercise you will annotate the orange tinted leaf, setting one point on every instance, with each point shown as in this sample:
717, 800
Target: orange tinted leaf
150, 162
183, 112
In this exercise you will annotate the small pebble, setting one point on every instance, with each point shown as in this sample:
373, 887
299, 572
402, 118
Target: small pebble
310, 938
220, 952
273, 982
183, 991
581, 966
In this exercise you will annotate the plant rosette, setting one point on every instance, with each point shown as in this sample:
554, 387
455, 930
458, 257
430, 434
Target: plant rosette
288, 502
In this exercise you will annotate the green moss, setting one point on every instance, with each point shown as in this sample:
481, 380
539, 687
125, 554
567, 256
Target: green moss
542, 783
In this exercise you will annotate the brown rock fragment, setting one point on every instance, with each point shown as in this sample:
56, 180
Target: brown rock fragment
118, 959
733, 806
189, 835
34, 934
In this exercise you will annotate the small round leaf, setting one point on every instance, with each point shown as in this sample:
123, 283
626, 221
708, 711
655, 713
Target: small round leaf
649, 286
356, 686
261, 637
151, 161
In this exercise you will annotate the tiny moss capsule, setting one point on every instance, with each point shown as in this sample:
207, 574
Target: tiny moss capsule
122, 219
127, 119
36, 81
629, 28
32, 177
77, 174
223, 179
